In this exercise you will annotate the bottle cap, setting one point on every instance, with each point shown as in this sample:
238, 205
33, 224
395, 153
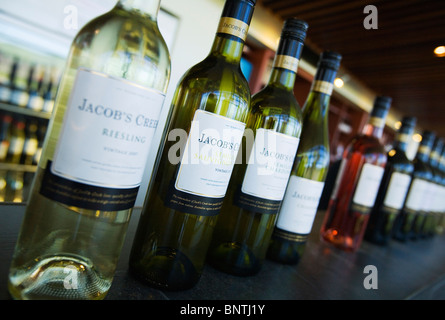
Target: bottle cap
295, 28
330, 60
381, 107
382, 102
409, 121
428, 137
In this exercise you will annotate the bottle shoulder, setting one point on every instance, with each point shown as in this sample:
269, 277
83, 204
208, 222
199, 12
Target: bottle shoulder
368, 147
216, 74
398, 161
274, 101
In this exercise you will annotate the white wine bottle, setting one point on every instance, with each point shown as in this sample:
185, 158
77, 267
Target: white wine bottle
309, 170
210, 109
106, 112
249, 211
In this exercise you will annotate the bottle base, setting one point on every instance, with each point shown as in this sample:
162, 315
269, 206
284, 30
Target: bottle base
167, 269
234, 258
58, 277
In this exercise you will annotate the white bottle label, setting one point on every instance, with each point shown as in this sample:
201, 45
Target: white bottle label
270, 164
107, 131
209, 155
416, 194
368, 185
397, 189
300, 205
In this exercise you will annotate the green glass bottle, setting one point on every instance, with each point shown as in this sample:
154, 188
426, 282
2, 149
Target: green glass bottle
93, 158
210, 109
408, 224
309, 170
393, 187
256, 189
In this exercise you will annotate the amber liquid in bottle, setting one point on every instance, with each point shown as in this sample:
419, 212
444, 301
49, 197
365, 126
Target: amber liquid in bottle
357, 183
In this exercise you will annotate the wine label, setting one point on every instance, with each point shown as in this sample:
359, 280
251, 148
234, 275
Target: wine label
206, 165
429, 197
286, 62
233, 27
323, 87
269, 166
397, 190
416, 194
105, 137
368, 185
300, 205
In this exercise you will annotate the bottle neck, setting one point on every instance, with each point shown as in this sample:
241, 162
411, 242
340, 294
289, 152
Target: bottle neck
143, 7
232, 30
434, 157
423, 152
402, 138
321, 91
285, 64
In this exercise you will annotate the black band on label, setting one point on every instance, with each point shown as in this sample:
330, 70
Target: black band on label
191, 203
85, 196
255, 204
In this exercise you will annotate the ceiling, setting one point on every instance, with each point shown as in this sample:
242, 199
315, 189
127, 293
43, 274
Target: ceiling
396, 59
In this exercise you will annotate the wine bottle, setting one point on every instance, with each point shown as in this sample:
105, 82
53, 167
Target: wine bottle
357, 183
5, 135
393, 188
210, 108
410, 219
106, 110
256, 189
309, 170
17, 140
441, 202
432, 210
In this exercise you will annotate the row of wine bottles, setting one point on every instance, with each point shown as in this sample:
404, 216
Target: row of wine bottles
237, 177
21, 139
27, 84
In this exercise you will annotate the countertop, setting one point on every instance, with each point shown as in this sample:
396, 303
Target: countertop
413, 270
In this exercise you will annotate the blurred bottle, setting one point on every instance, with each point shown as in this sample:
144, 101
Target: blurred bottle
17, 141
393, 188
36, 92
432, 202
357, 183
31, 142
5, 135
410, 220
20, 83
6, 68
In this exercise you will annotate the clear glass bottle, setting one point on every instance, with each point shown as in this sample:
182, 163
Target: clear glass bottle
309, 170
106, 110
410, 219
357, 183
256, 189
393, 188
210, 109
